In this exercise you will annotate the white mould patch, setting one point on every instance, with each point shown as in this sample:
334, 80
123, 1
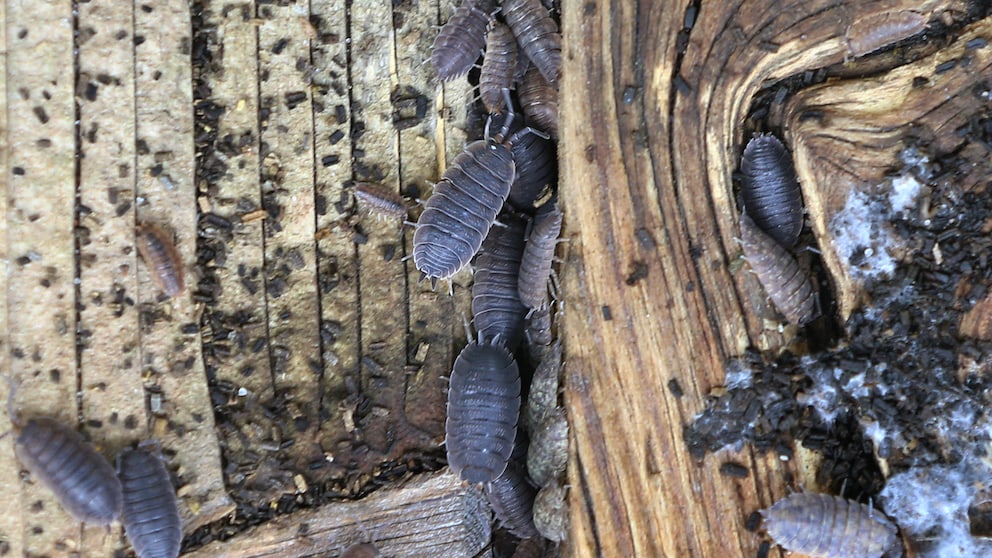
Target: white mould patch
861, 237
905, 190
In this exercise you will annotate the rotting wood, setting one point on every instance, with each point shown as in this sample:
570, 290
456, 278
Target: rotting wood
651, 219
430, 515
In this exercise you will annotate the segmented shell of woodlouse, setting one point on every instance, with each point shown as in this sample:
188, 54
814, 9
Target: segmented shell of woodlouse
462, 209
461, 40
497, 66
165, 265
82, 480
551, 512
483, 408
379, 200
869, 34
512, 499
539, 101
534, 547
536, 161
539, 253
827, 526
151, 512
787, 285
770, 189
496, 307
538, 331
542, 399
361, 550
548, 451
537, 34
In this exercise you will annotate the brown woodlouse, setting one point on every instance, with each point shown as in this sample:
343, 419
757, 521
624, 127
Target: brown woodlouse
551, 512
867, 35
497, 66
548, 451
151, 512
461, 40
537, 34
82, 480
539, 252
542, 399
787, 285
165, 265
512, 499
361, 550
463, 208
379, 200
827, 526
536, 161
483, 408
496, 307
770, 190
539, 101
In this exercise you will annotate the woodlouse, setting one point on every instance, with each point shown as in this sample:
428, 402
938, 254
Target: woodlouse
512, 499
165, 265
548, 451
463, 208
537, 35
827, 526
539, 252
787, 285
534, 547
770, 189
867, 35
496, 307
379, 200
551, 512
461, 40
82, 480
151, 512
483, 408
497, 66
539, 101
538, 331
536, 162
361, 550
542, 399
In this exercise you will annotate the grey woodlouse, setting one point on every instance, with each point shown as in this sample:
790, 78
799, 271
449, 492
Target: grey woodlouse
483, 408
379, 200
534, 547
537, 35
551, 512
539, 101
542, 399
539, 252
770, 189
165, 265
778, 272
827, 526
151, 512
512, 499
497, 66
548, 451
461, 40
463, 208
867, 35
82, 480
361, 550
496, 307
536, 161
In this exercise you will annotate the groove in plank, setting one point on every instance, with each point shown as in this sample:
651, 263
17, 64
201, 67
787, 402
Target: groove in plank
40, 292
171, 357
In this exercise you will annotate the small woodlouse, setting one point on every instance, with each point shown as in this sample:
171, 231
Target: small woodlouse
867, 35
539, 101
770, 190
787, 285
512, 499
534, 547
496, 306
82, 480
461, 40
548, 451
827, 526
539, 253
542, 399
483, 408
151, 512
537, 34
379, 200
361, 550
551, 512
162, 258
462, 209
497, 66
536, 162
